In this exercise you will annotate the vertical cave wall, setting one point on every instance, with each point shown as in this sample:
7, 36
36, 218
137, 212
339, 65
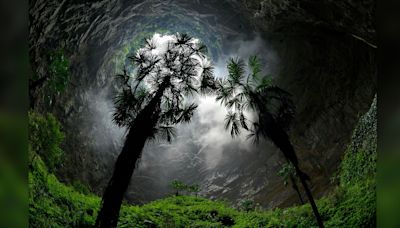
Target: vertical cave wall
329, 65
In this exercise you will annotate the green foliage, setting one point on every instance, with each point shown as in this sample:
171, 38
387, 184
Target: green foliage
44, 138
58, 75
351, 204
53, 204
247, 205
246, 89
180, 186
58, 71
359, 162
80, 187
287, 171
193, 188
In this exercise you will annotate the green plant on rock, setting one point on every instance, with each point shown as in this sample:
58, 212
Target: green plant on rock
55, 80
45, 137
247, 205
359, 162
59, 71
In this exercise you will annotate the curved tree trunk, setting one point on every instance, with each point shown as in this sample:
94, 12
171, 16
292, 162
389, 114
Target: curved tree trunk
142, 128
280, 138
296, 188
123, 170
309, 196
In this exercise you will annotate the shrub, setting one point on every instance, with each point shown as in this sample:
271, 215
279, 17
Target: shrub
44, 138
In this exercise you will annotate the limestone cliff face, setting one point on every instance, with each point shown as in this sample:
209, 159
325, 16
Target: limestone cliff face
325, 57
329, 64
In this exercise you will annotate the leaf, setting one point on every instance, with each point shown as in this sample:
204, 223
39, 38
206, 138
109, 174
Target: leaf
254, 134
265, 83
243, 122
188, 89
223, 95
186, 113
208, 82
202, 48
183, 39
235, 70
166, 132
255, 67
232, 121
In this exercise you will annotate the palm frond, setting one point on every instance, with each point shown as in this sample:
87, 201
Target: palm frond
128, 104
168, 116
234, 102
188, 89
183, 39
139, 58
235, 70
202, 48
255, 66
255, 133
208, 83
223, 95
187, 113
263, 83
243, 121
166, 133
232, 122
149, 44
124, 77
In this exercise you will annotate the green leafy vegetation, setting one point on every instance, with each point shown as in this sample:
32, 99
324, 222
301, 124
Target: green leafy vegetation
180, 186
286, 172
52, 203
359, 162
58, 71
45, 137
54, 81
58, 75
247, 205
351, 204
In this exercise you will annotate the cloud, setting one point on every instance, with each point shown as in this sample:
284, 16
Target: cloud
201, 146
206, 130
244, 48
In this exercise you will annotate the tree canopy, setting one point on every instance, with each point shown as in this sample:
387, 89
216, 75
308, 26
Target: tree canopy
247, 94
180, 62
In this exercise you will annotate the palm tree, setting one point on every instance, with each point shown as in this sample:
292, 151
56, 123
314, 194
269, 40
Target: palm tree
269, 107
168, 70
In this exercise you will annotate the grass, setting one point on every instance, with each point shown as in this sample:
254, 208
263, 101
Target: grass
54, 204
351, 204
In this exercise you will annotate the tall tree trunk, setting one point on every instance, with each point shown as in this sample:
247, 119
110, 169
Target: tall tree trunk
310, 197
280, 138
296, 188
139, 132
